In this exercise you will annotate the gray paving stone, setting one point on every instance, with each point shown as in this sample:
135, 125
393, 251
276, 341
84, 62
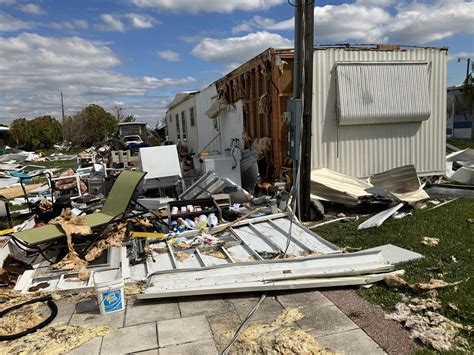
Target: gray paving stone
139, 312
352, 342
196, 348
223, 327
303, 298
322, 321
65, 311
130, 339
87, 306
148, 352
97, 319
269, 310
183, 330
92, 347
194, 306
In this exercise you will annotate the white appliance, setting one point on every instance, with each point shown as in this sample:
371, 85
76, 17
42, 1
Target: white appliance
225, 166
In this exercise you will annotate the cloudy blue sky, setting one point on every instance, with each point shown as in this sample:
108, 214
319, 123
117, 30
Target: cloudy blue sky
138, 53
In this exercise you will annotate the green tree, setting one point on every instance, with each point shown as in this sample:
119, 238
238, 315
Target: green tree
129, 118
91, 125
39, 133
47, 131
21, 133
99, 123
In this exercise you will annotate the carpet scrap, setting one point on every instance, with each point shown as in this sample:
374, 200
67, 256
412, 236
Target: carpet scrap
431, 328
399, 282
279, 337
432, 242
22, 319
113, 238
56, 338
72, 225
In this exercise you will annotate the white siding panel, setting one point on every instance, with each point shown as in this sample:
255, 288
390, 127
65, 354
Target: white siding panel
205, 125
362, 150
384, 92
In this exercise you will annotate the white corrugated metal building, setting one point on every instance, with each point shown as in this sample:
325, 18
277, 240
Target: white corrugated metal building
377, 109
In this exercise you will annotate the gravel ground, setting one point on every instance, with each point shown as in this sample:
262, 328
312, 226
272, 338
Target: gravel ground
390, 335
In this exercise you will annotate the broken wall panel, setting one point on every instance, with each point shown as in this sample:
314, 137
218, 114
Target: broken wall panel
264, 84
269, 274
248, 241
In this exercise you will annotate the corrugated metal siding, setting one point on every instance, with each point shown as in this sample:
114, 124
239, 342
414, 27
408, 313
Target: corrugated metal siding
386, 92
367, 149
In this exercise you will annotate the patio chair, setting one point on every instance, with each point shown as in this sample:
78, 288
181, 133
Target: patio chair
115, 208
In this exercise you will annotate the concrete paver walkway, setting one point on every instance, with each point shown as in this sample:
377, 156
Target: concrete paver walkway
196, 325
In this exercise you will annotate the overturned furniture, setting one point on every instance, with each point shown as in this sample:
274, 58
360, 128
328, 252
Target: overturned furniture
114, 208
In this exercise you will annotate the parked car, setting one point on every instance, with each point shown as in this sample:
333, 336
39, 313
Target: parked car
133, 139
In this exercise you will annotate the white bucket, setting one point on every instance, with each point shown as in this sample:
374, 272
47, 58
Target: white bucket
109, 286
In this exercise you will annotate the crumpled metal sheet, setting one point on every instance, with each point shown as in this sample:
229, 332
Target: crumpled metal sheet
333, 186
402, 183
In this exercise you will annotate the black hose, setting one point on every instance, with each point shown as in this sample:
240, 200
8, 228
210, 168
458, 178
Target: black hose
52, 306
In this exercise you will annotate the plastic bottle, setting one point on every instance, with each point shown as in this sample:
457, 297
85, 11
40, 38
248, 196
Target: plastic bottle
190, 224
212, 220
202, 222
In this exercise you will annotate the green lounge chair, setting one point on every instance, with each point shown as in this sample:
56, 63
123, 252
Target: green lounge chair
114, 208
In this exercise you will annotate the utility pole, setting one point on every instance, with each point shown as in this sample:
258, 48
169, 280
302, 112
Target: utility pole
467, 92
294, 108
467, 68
297, 61
62, 106
305, 174
299, 115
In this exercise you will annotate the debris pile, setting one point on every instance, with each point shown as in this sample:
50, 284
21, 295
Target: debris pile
153, 227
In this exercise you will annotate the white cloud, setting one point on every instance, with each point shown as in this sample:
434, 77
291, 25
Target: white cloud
170, 56
380, 3
112, 23
419, 22
228, 68
31, 8
141, 21
70, 25
333, 23
258, 22
369, 21
195, 6
35, 68
122, 23
10, 24
348, 21
455, 56
238, 49
159, 83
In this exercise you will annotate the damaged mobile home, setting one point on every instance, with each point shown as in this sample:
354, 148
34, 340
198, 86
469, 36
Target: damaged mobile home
200, 218
375, 108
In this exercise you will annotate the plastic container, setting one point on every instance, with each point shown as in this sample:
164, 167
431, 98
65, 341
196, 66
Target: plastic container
109, 286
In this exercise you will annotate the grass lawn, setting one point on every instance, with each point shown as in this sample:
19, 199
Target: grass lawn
60, 164
448, 223
462, 144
